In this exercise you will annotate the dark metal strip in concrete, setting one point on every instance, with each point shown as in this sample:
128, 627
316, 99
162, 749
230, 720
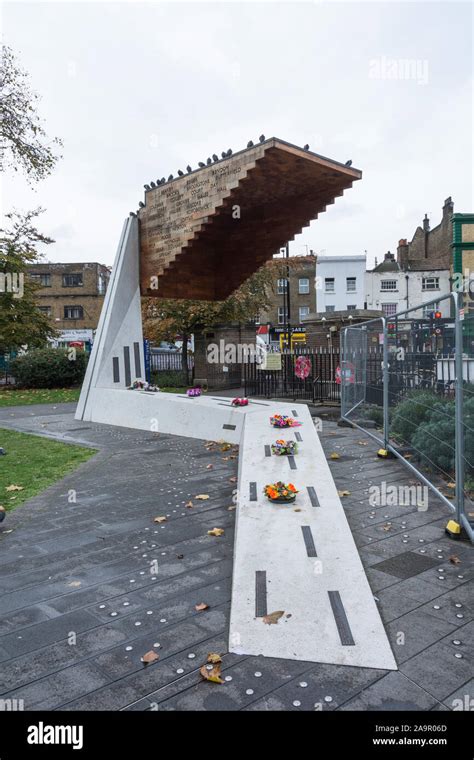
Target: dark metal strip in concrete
309, 541
312, 496
229, 427
260, 593
253, 491
343, 627
294, 412
268, 452
116, 369
126, 359
136, 353
298, 436
292, 463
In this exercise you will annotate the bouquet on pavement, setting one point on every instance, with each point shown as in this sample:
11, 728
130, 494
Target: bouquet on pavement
280, 492
284, 448
283, 420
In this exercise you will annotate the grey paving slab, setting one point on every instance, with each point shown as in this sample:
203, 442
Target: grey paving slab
392, 692
84, 568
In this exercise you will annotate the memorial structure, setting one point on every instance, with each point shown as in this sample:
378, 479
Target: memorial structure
200, 236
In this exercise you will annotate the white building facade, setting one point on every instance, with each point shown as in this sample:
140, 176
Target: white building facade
340, 282
390, 289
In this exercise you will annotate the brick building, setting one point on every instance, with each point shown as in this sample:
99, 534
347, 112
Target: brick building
302, 293
429, 248
72, 296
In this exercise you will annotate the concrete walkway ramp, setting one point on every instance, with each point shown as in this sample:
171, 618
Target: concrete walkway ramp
299, 559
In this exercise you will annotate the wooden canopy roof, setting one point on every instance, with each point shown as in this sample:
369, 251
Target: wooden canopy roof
203, 234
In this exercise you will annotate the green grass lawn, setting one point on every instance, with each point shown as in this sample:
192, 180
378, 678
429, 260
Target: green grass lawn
34, 463
174, 390
21, 397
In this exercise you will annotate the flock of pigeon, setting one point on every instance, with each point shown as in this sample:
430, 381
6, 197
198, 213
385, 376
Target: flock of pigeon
201, 165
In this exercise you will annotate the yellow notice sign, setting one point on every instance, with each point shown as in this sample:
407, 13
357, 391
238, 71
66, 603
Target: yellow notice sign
271, 361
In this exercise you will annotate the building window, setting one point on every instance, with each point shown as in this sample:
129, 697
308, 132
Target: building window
330, 308
430, 283
351, 306
389, 309
73, 312
72, 280
304, 311
303, 285
351, 284
329, 284
388, 285
46, 310
281, 315
429, 309
102, 284
281, 287
43, 279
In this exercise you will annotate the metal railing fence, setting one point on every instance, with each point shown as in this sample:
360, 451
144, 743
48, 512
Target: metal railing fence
420, 397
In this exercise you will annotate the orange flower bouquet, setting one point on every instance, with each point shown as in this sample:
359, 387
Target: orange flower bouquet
280, 492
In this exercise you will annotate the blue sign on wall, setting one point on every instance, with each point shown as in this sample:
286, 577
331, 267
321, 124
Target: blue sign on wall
146, 353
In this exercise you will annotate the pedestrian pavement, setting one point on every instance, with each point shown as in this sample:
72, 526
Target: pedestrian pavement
91, 583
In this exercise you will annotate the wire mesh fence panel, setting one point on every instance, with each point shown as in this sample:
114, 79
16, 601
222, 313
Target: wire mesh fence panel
467, 422
421, 389
361, 375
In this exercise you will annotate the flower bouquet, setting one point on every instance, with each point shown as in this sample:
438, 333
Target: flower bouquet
240, 402
284, 448
142, 385
282, 420
138, 385
193, 392
280, 492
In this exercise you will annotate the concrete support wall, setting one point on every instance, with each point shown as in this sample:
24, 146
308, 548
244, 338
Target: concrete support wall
117, 354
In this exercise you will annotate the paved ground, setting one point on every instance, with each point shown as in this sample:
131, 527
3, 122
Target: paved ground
79, 605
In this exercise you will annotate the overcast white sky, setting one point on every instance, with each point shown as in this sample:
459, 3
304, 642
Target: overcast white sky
138, 90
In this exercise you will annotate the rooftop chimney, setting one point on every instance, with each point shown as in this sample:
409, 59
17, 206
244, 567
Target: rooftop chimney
448, 207
426, 223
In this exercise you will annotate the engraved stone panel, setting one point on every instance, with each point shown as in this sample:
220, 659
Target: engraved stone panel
203, 234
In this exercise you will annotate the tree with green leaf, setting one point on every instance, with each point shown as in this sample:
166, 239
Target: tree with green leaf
21, 321
24, 143
164, 319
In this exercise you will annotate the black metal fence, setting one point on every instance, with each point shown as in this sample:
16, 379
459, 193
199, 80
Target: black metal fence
168, 361
321, 384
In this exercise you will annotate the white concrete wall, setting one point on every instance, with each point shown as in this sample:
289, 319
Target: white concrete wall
120, 324
340, 267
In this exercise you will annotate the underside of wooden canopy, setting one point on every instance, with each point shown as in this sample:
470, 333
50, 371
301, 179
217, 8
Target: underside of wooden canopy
202, 235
